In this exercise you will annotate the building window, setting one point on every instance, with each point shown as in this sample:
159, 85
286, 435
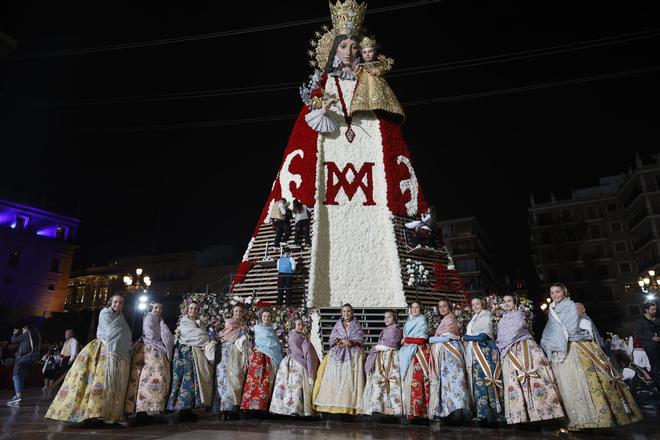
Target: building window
22, 222
459, 247
570, 234
594, 232
546, 237
611, 207
544, 218
577, 273
633, 310
467, 265
606, 293
625, 267
593, 212
599, 251
620, 246
61, 232
657, 182
552, 276
55, 265
616, 227
567, 216
548, 256
51, 286
14, 256
573, 253
603, 272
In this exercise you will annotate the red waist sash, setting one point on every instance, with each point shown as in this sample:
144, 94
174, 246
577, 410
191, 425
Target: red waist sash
417, 341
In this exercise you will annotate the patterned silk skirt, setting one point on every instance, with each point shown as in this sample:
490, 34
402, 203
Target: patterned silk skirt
486, 386
259, 383
416, 384
149, 380
449, 383
593, 394
185, 387
292, 393
230, 375
382, 392
530, 389
339, 385
84, 395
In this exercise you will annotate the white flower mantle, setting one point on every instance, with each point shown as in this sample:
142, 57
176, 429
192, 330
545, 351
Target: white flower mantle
354, 252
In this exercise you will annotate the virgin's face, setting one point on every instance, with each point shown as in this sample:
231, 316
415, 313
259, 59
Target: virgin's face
368, 53
266, 318
346, 313
157, 309
237, 312
557, 294
299, 326
443, 308
508, 304
117, 303
347, 51
477, 306
389, 319
415, 309
193, 311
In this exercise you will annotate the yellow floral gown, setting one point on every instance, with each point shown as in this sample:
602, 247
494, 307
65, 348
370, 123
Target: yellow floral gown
82, 396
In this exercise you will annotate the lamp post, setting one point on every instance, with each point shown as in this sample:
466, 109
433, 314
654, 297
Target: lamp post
650, 284
138, 287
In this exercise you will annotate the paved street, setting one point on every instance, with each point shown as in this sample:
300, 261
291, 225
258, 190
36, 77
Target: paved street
27, 422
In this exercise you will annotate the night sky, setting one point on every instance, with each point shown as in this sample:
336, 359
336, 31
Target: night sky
141, 190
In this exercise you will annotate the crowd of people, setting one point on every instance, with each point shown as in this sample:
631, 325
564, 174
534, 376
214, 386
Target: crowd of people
494, 372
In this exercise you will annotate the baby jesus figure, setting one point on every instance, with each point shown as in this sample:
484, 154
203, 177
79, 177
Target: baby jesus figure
374, 63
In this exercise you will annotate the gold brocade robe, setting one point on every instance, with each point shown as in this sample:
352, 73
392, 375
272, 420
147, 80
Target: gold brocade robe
374, 93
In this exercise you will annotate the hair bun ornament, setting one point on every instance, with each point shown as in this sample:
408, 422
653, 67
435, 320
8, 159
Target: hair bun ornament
347, 19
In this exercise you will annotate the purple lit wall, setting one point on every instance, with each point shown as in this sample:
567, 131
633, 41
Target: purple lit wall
40, 222
35, 284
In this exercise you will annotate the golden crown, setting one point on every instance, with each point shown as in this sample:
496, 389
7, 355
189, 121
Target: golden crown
347, 17
368, 42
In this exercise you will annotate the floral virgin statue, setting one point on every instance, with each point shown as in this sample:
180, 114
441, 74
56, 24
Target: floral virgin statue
346, 158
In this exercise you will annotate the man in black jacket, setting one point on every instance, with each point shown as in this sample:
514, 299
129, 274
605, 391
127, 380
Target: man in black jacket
648, 331
26, 354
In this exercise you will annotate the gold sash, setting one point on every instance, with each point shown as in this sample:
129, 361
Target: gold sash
385, 372
422, 361
491, 377
524, 372
605, 366
455, 351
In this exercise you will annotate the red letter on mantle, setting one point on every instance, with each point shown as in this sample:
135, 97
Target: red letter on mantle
350, 188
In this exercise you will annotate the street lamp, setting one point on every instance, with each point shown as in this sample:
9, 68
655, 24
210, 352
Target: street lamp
142, 303
139, 288
544, 306
650, 284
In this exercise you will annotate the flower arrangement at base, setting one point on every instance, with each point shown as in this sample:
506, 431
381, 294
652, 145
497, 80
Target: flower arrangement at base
213, 310
464, 313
